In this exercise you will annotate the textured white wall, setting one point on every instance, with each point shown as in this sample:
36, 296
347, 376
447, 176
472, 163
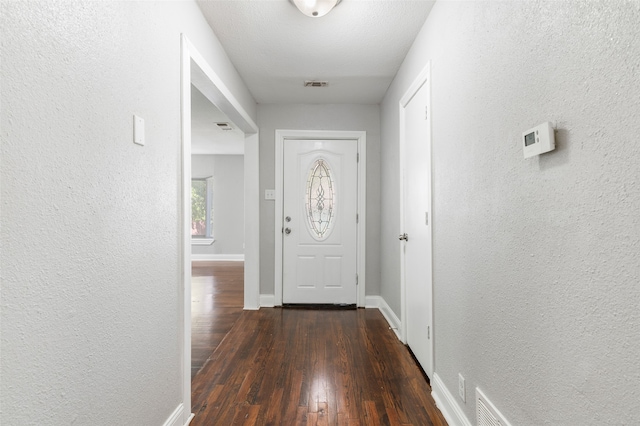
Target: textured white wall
318, 117
228, 201
91, 309
536, 265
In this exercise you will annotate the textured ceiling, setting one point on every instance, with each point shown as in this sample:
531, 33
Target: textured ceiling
206, 136
358, 47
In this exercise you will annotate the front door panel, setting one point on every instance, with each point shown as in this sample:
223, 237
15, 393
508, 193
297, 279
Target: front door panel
319, 233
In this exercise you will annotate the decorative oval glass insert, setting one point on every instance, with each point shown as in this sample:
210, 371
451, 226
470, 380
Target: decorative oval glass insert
320, 199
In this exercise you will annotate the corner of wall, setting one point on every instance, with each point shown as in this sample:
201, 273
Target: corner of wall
267, 301
176, 418
447, 404
381, 304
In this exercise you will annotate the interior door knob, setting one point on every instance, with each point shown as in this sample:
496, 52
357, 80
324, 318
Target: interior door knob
403, 237
287, 231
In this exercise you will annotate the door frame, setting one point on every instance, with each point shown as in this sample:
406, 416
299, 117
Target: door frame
361, 240
194, 69
424, 77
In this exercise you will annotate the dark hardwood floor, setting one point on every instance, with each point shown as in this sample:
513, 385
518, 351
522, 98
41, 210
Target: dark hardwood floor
306, 367
217, 297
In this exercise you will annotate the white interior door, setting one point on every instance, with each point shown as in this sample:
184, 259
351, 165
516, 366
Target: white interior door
319, 216
416, 247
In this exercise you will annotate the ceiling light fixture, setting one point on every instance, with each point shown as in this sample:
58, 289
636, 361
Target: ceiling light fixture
315, 8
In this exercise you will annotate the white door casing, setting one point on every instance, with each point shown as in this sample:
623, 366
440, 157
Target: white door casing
319, 235
416, 221
281, 137
194, 69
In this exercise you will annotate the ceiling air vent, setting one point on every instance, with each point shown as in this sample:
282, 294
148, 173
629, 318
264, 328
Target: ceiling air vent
314, 83
224, 126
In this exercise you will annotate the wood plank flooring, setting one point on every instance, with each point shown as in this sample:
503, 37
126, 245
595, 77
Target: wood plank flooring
298, 366
303, 367
217, 297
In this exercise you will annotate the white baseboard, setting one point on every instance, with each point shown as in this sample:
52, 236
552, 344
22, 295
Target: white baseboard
387, 312
189, 419
372, 301
214, 257
267, 300
447, 403
175, 419
251, 308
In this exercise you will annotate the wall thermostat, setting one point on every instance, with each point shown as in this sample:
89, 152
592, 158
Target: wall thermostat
538, 140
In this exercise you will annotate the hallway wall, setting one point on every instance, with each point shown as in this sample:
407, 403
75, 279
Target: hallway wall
318, 117
91, 307
228, 202
536, 265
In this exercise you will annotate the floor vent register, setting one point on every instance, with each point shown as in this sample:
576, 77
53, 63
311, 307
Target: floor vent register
488, 414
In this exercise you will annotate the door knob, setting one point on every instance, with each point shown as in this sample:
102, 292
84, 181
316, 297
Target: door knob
287, 231
403, 237
288, 218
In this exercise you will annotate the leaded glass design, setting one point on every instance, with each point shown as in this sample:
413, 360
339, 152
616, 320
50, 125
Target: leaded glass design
320, 199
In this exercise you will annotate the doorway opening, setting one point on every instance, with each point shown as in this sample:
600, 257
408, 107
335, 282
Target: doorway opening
217, 228
196, 72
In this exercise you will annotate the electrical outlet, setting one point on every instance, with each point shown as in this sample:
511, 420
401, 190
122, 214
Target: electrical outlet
269, 194
461, 388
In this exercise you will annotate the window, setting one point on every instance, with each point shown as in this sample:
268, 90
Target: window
320, 200
202, 208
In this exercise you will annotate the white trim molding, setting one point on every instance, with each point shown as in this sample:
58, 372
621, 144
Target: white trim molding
251, 221
387, 313
267, 301
372, 302
447, 403
194, 69
361, 138
175, 419
216, 257
185, 219
202, 241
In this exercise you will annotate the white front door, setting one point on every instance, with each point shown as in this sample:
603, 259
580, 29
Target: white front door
319, 216
417, 226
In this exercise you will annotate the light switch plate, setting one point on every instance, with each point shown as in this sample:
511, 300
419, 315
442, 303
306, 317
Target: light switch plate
138, 130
